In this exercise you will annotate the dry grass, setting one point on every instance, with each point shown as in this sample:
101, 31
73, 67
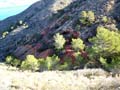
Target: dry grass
88, 79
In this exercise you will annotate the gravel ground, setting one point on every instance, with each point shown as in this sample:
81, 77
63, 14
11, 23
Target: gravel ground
87, 79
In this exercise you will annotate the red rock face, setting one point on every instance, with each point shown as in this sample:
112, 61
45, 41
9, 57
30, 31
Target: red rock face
44, 54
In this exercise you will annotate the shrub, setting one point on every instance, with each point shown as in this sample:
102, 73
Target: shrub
79, 60
20, 22
30, 63
106, 46
91, 16
77, 44
49, 63
68, 64
83, 17
106, 42
87, 17
9, 59
103, 61
59, 41
63, 66
25, 25
105, 19
114, 63
5, 34
84, 14
12, 61
77, 27
53, 63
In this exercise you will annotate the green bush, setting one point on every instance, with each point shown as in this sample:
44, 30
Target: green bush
12, 61
77, 44
30, 63
77, 27
63, 66
105, 19
5, 34
42, 64
53, 63
106, 46
106, 42
79, 60
49, 63
103, 61
68, 65
59, 41
9, 59
83, 17
91, 16
114, 64
87, 17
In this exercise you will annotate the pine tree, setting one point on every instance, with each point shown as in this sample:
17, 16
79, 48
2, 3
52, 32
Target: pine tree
106, 42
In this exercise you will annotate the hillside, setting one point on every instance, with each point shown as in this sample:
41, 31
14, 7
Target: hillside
37, 17
62, 45
52, 17
85, 32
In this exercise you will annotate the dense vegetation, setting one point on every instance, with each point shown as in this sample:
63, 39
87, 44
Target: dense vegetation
73, 53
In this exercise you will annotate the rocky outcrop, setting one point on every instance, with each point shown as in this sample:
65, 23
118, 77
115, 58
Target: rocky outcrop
47, 17
39, 12
36, 16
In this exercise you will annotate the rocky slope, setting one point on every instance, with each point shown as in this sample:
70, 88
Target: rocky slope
47, 17
88, 79
36, 16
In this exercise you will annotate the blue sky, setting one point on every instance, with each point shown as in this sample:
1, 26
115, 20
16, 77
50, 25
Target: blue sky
13, 7
13, 3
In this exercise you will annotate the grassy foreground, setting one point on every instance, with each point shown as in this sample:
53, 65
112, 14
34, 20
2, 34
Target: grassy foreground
86, 79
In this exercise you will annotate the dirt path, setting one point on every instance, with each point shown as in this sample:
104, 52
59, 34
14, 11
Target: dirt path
89, 79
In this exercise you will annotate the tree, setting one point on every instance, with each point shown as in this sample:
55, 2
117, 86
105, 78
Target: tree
106, 42
59, 41
87, 17
77, 44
